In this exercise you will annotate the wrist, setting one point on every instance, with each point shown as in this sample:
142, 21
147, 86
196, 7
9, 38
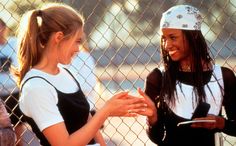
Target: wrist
151, 120
105, 111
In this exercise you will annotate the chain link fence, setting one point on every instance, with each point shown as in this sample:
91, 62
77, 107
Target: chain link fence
123, 40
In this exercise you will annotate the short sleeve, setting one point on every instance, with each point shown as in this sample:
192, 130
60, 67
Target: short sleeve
38, 100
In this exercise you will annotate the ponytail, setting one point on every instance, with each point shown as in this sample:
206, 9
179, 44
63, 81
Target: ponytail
28, 44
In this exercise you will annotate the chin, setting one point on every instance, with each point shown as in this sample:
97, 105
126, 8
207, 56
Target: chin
66, 62
174, 59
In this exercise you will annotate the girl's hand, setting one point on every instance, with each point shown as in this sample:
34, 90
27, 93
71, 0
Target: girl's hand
151, 110
218, 124
123, 104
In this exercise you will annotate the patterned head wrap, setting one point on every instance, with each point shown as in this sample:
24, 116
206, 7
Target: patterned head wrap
184, 17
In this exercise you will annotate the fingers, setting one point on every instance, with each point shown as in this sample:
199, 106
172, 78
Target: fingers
131, 113
151, 109
142, 93
218, 122
207, 125
136, 105
140, 107
130, 105
148, 100
121, 95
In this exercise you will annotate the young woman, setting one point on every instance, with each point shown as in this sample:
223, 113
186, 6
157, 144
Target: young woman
191, 86
51, 97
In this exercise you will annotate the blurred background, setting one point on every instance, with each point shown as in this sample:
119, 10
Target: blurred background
122, 44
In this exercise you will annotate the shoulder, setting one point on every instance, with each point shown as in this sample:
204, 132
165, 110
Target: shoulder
36, 92
154, 75
34, 82
228, 75
227, 71
32, 87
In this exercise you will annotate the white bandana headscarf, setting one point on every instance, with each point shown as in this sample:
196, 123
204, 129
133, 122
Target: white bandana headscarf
182, 17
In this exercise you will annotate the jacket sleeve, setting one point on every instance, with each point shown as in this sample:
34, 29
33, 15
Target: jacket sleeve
229, 101
153, 81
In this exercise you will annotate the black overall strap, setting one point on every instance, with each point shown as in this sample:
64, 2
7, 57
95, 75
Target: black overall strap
73, 77
35, 77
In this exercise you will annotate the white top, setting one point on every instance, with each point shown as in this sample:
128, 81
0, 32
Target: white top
38, 98
186, 103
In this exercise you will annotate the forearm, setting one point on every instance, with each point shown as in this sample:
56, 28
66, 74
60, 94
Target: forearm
88, 131
156, 132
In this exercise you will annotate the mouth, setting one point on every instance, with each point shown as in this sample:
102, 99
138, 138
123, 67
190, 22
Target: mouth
172, 52
74, 54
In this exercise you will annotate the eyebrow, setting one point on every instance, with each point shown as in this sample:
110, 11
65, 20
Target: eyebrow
171, 34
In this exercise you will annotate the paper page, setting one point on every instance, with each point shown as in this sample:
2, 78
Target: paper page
194, 121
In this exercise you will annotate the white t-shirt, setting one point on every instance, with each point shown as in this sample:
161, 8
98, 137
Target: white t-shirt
185, 107
39, 99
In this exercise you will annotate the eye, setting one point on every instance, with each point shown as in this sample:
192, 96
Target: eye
79, 41
173, 38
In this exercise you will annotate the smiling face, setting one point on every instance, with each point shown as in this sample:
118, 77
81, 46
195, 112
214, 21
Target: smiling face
70, 47
176, 45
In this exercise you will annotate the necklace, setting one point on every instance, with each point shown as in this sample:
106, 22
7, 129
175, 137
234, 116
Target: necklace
186, 68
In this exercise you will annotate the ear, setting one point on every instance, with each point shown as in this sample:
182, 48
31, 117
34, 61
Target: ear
58, 36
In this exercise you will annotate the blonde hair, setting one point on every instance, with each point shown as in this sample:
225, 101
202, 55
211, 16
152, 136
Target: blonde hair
35, 29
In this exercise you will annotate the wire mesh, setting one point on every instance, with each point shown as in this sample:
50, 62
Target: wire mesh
123, 41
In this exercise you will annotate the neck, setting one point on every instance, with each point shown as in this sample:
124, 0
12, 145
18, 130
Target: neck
188, 67
48, 69
48, 64
185, 66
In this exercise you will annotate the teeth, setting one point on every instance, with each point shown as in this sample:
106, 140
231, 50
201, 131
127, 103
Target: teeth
172, 52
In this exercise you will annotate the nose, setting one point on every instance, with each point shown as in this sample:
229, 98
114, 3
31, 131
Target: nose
78, 47
168, 44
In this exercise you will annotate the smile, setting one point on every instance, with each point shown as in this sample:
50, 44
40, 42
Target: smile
172, 52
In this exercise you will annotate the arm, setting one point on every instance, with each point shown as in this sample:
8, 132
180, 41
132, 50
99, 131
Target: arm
43, 110
226, 125
118, 105
98, 137
155, 129
229, 101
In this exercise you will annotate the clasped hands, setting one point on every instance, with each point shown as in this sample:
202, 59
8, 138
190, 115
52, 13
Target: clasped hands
124, 104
